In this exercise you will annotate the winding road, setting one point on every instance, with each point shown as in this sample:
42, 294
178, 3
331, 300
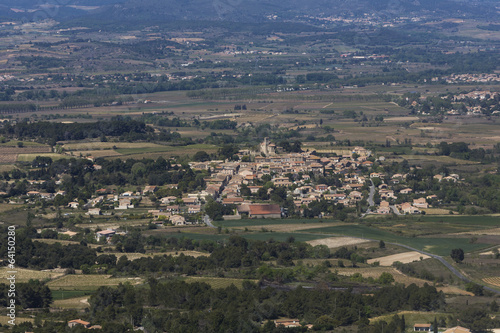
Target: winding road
371, 202
455, 271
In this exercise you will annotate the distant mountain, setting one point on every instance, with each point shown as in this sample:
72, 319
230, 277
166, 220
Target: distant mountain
258, 10
250, 10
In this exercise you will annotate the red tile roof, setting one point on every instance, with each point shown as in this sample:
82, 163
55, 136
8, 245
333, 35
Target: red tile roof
264, 209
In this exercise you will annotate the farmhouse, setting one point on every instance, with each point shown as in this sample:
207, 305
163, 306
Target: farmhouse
407, 208
167, 200
177, 220
124, 204
194, 209
94, 211
73, 204
422, 327
77, 322
107, 234
264, 211
149, 189
288, 323
420, 203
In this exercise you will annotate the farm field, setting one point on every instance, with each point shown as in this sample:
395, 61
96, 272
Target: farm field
273, 222
440, 246
62, 242
169, 150
404, 258
493, 232
24, 275
77, 303
291, 227
9, 154
8, 207
88, 282
495, 281
30, 157
333, 242
4, 320
94, 153
412, 317
375, 272
134, 256
219, 283
81, 146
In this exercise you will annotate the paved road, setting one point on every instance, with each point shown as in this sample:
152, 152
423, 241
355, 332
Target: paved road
371, 202
371, 195
448, 265
208, 222
395, 210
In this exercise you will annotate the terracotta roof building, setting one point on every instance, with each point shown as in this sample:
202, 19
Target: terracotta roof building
264, 211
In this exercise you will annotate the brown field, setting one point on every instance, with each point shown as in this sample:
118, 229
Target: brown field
411, 317
488, 253
9, 154
31, 157
95, 153
401, 119
7, 167
88, 282
375, 272
491, 232
4, 320
436, 211
495, 281
6, 207
62, 242
219, 283
450, 290
134, 256
107, 145
405, 258
112, 225
78, 303
333, 242
24, 275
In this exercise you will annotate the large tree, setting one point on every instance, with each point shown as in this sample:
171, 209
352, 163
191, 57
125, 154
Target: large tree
457, 255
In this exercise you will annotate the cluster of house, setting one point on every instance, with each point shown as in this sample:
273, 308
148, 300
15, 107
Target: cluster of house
416, 205
292, 323
293, 171
472, 78
287, 170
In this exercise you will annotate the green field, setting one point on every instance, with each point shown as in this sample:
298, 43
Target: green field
258, 222
31, 157
263, 236
192, 149
81, 283
439, 246
412, 317
480, 220
219, 283
67, 294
